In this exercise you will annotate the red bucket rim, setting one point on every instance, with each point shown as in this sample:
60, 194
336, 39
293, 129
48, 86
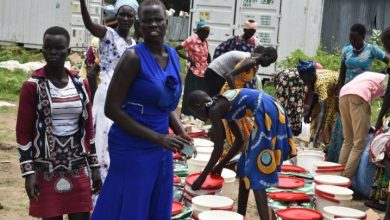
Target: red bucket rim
211, 182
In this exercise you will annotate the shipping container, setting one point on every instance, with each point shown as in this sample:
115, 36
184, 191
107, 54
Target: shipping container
24, 21
284, 24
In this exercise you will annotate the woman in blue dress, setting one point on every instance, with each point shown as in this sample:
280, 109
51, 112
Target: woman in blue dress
141, 101
270, 140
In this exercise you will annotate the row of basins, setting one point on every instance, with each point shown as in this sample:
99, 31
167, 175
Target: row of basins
310, 189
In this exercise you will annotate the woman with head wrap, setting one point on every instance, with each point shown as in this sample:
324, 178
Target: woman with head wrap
198, 57
90, 68
356, 58
245, 43
324, 84
113, 42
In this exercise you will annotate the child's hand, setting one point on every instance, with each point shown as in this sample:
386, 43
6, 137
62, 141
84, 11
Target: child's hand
198, 183
217, 171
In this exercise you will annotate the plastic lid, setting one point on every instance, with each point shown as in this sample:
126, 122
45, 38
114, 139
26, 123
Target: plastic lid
299, 214
332, 180
176, 179
213, 202
176, 156
327, 165
288, 196
200, 142
177, 207
344, 212
196, 133
293, 168
211, 182
204, 150
220, 215
289, 182
330, 170
334, 190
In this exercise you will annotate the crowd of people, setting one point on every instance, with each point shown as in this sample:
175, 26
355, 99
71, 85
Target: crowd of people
105, 131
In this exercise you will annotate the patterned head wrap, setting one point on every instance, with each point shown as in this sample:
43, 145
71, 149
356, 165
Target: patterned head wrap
306, 67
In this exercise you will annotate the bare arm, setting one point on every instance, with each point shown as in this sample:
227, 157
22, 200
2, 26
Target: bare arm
96, 30
321, 120
237, 145
218, 134
386, 60
124, 75
341, 81
385, 107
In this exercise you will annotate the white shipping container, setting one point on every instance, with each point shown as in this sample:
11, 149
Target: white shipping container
284, 24
25, 21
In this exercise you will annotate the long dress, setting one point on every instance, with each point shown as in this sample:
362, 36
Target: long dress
139, 184
111, 49
271, 139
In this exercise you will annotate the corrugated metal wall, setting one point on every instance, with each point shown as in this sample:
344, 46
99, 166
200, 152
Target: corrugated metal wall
177, 28
24, 21
340, 15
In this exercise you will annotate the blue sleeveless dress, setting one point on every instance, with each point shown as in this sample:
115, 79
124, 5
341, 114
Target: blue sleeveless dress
270, 141
139, 184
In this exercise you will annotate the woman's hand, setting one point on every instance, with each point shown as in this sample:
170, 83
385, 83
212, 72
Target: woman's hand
173, 143
31, 185
96, 180
186, 137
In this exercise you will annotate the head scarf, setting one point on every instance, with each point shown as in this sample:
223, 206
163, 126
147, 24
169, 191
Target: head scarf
250, 24
306, 67
201, 24
120, 3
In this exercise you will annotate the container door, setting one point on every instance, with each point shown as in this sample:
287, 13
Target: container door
267, 15
220, 17
81, 37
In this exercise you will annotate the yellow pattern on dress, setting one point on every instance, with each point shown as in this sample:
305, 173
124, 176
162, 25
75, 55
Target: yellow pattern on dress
246, 123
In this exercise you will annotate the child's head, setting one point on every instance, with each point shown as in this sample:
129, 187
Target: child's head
55, 46
198, 100
385, 37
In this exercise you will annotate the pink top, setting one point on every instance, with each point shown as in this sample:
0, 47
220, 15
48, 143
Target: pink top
368, 85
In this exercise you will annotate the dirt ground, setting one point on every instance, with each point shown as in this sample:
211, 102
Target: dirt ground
13, 199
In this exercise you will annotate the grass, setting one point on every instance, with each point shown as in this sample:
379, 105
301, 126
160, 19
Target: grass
10, 83
20, 54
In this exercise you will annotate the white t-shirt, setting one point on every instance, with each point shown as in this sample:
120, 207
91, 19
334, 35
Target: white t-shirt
227, 61
66, 109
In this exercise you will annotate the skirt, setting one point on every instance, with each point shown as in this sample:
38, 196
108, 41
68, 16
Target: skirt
64, 183
62, 195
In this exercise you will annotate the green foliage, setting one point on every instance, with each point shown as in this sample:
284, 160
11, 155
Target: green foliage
376, 37
330, 61
20, 54
10, 83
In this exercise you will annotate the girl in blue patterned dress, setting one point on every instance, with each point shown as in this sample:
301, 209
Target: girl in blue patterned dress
270, 140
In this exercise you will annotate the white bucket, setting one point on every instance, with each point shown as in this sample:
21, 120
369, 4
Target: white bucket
220, 215
229, 177
308, 159
332, 180
328, 168
210, 202
204, 150
200, 142
332, 212
198, 164
327, 195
